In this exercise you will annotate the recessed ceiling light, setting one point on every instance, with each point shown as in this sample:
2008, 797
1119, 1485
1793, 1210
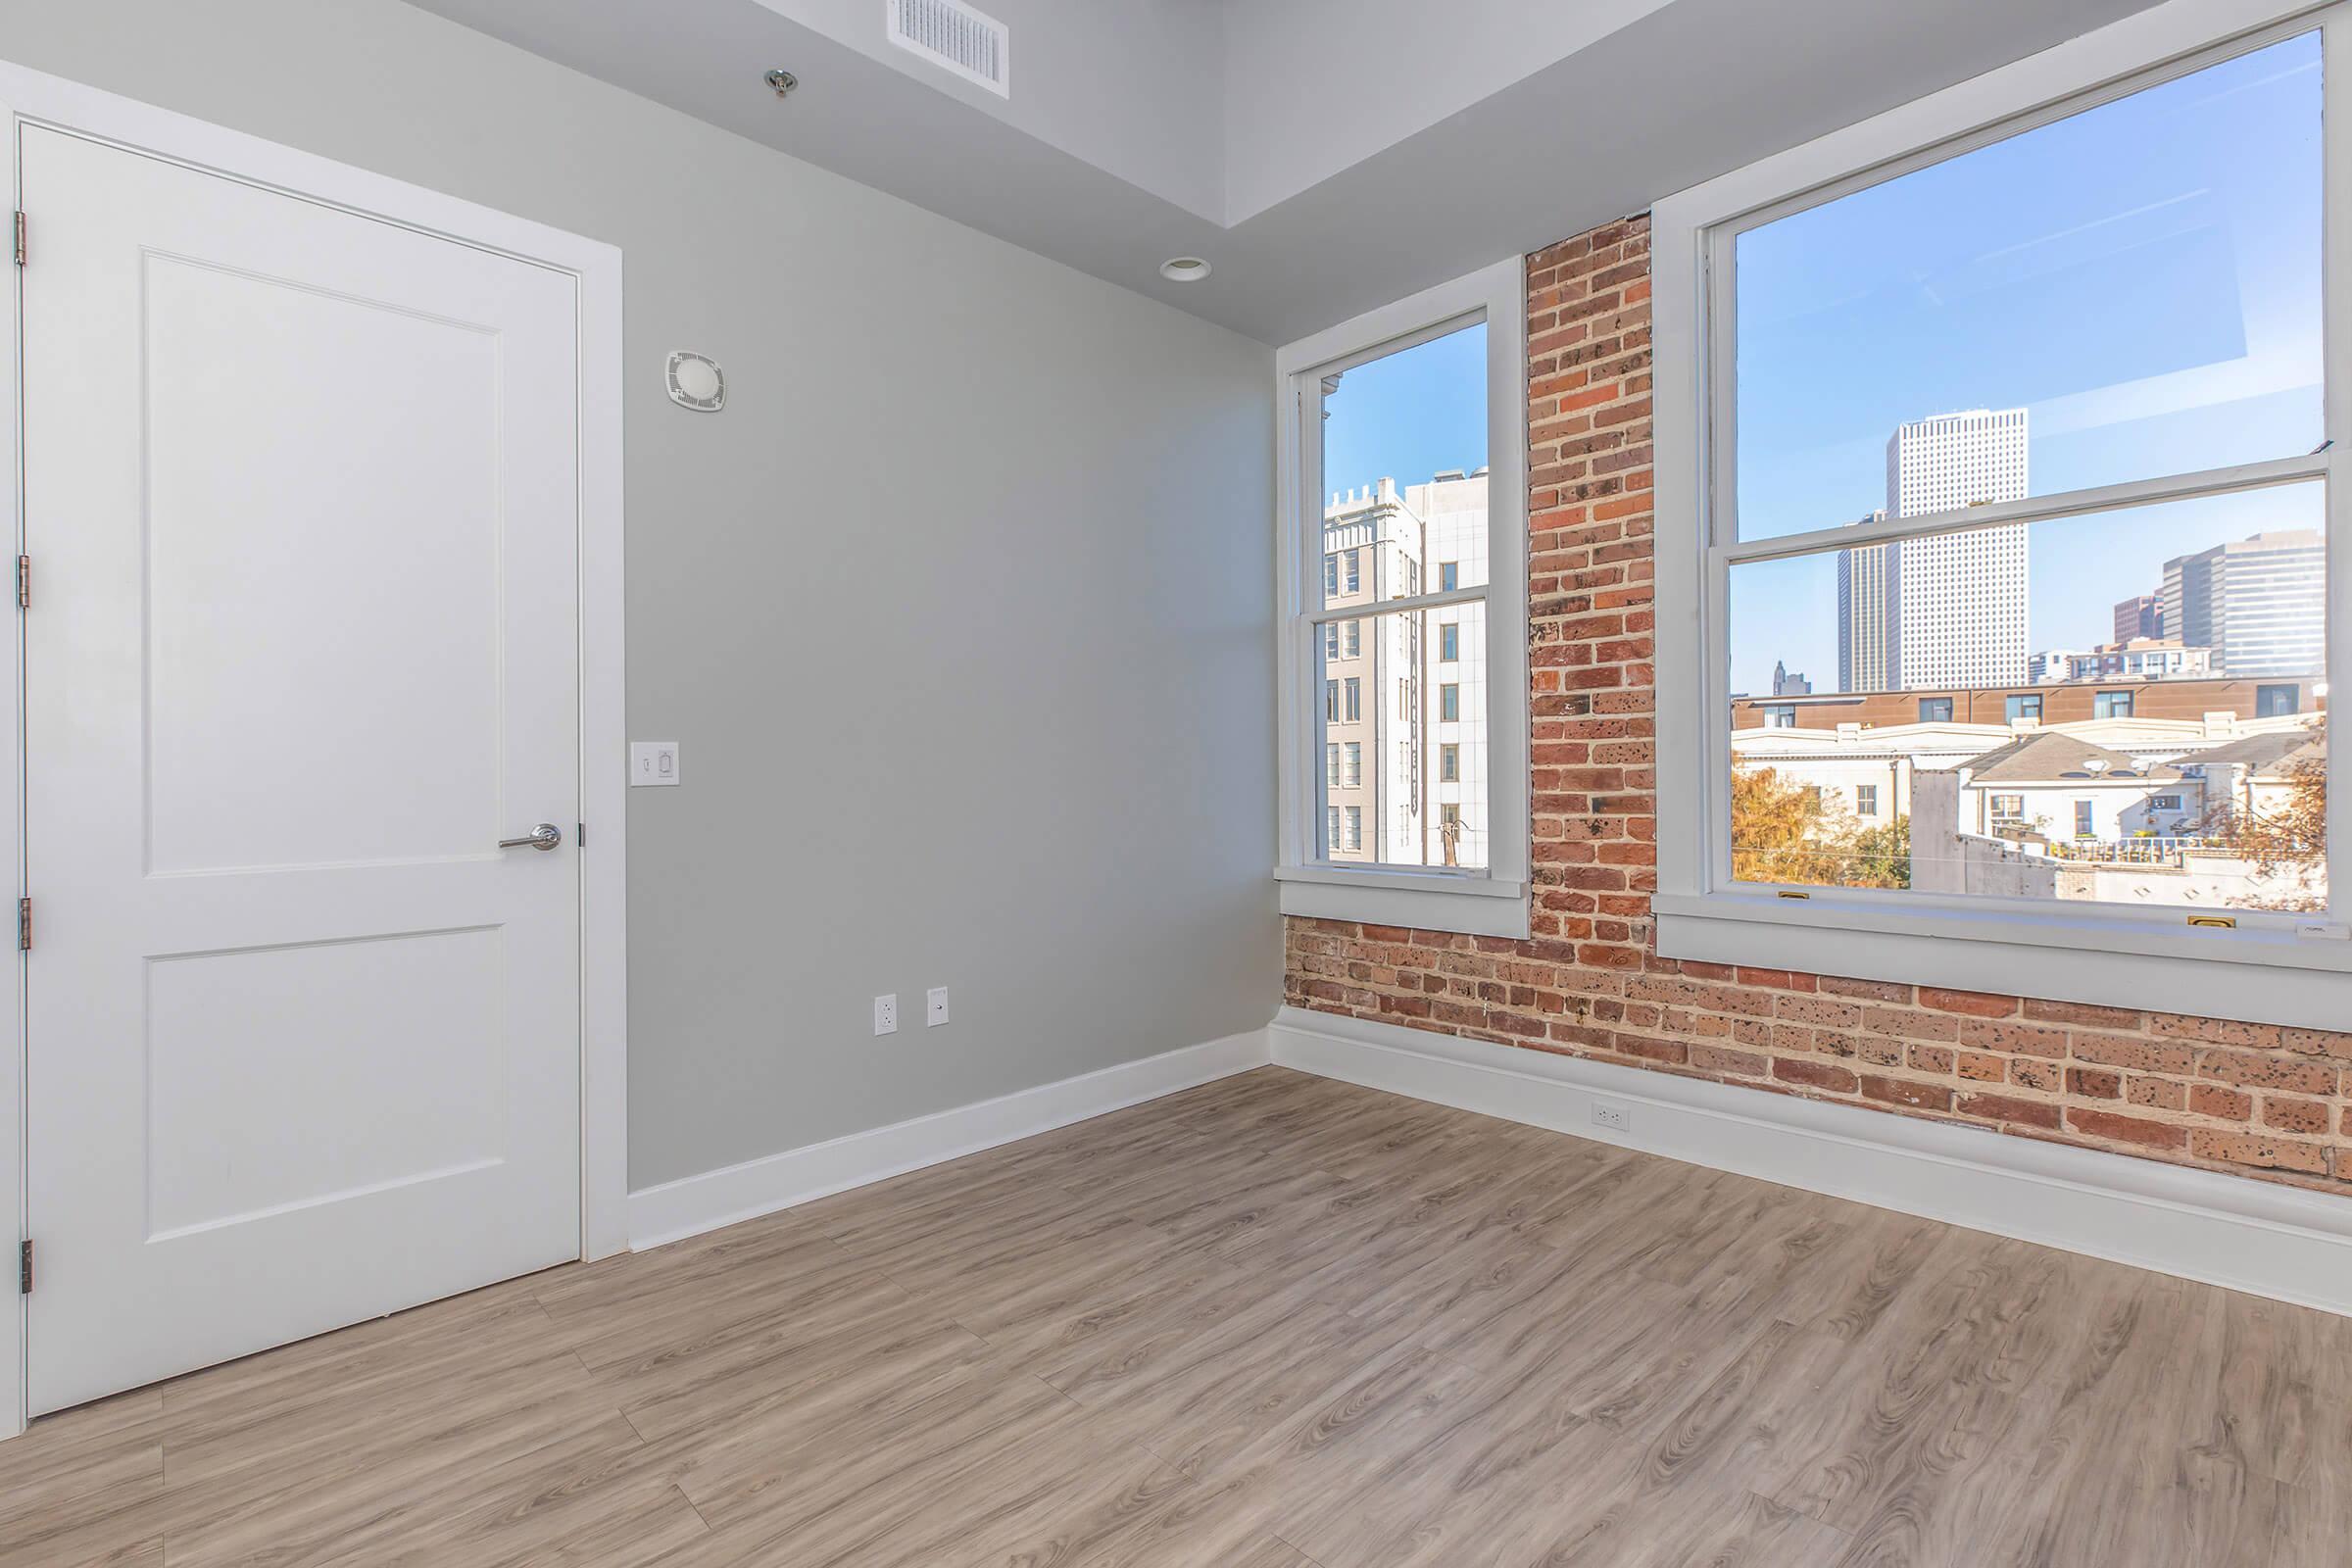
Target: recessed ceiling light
1184, 268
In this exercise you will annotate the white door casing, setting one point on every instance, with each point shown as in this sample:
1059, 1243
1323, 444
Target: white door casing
304, 492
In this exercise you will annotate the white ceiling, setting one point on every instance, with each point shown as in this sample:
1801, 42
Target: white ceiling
1326, 156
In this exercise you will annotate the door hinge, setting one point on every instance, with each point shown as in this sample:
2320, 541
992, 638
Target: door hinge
24, 1267
19, 239
580, 838
23, 582
24, 925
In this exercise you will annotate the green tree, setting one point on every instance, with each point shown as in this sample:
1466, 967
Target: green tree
1784, 831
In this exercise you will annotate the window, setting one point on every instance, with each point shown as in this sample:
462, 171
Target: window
2093, 232
1331, 641
1331, 702
2164, 803
1866, 799
1355, 827
1404, 470
1355, 638
1356, 764
1331, 761
1778, 715
1333, 818
1356, 699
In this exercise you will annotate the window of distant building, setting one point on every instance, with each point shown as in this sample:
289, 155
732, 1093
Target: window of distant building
2164, 803
1354, 687
1778, 715
1331, 762
1331, 702
1404, 459
1355, 638
1355, 827
1331, 641
1332, 820
1949, 516
1356, 764
1866, 799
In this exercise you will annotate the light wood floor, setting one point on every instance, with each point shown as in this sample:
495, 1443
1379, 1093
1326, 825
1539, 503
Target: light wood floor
1276, 1322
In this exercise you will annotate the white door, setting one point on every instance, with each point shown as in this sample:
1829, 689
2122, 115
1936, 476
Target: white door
301, 500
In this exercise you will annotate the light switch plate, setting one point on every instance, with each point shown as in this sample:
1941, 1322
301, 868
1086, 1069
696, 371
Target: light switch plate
652, 762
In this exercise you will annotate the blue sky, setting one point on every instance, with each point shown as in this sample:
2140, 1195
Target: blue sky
2142, 278
1410, 416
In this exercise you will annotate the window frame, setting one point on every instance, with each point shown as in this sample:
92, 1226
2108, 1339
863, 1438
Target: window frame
2268, 967
1491, 901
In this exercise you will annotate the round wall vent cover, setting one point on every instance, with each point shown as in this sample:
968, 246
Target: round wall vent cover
696, 383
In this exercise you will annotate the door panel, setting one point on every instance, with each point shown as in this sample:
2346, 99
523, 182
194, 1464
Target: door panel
303, 1042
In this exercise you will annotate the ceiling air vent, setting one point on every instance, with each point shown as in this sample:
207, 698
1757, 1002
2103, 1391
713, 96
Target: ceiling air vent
952, 35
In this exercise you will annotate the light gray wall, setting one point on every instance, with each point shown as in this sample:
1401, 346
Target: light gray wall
960, 611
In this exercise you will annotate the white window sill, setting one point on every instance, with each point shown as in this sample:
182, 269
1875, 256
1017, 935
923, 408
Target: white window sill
1474, 906
2261, 974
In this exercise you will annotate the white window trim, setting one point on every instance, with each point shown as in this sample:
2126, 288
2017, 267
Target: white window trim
2271, 968
1488, 903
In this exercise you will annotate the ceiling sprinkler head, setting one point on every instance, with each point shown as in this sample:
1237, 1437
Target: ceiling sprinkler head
782, 82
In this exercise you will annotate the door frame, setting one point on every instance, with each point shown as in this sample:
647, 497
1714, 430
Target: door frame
35, 98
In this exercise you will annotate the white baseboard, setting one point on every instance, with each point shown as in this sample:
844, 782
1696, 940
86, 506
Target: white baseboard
2286, 1242
693, 1205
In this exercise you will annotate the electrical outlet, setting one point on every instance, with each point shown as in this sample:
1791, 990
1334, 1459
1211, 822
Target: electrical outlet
886, 1016
653, 763
1614, 1117
938, 1013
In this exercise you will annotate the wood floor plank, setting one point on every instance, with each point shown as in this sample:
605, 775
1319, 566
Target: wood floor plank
1271, 1322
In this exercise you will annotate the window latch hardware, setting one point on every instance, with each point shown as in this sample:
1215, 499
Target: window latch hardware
2220, 923
1786, 892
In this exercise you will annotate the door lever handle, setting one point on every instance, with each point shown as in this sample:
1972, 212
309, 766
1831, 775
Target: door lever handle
546, 836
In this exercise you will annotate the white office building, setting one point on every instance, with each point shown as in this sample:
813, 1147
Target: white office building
1948, 610
2260, 604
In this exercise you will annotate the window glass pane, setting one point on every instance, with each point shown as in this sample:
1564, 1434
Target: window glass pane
2130, 292
1414, 778
2184, 769
1405, 472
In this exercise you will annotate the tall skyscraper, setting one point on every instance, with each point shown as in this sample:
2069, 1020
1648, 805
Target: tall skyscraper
1866, 599
2260, 604
1948, 610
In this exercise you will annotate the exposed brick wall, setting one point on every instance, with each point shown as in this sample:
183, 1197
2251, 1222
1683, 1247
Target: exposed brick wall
2246, 1098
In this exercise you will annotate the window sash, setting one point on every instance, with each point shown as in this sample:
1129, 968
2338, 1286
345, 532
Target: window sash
1489, 900
1697, 453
